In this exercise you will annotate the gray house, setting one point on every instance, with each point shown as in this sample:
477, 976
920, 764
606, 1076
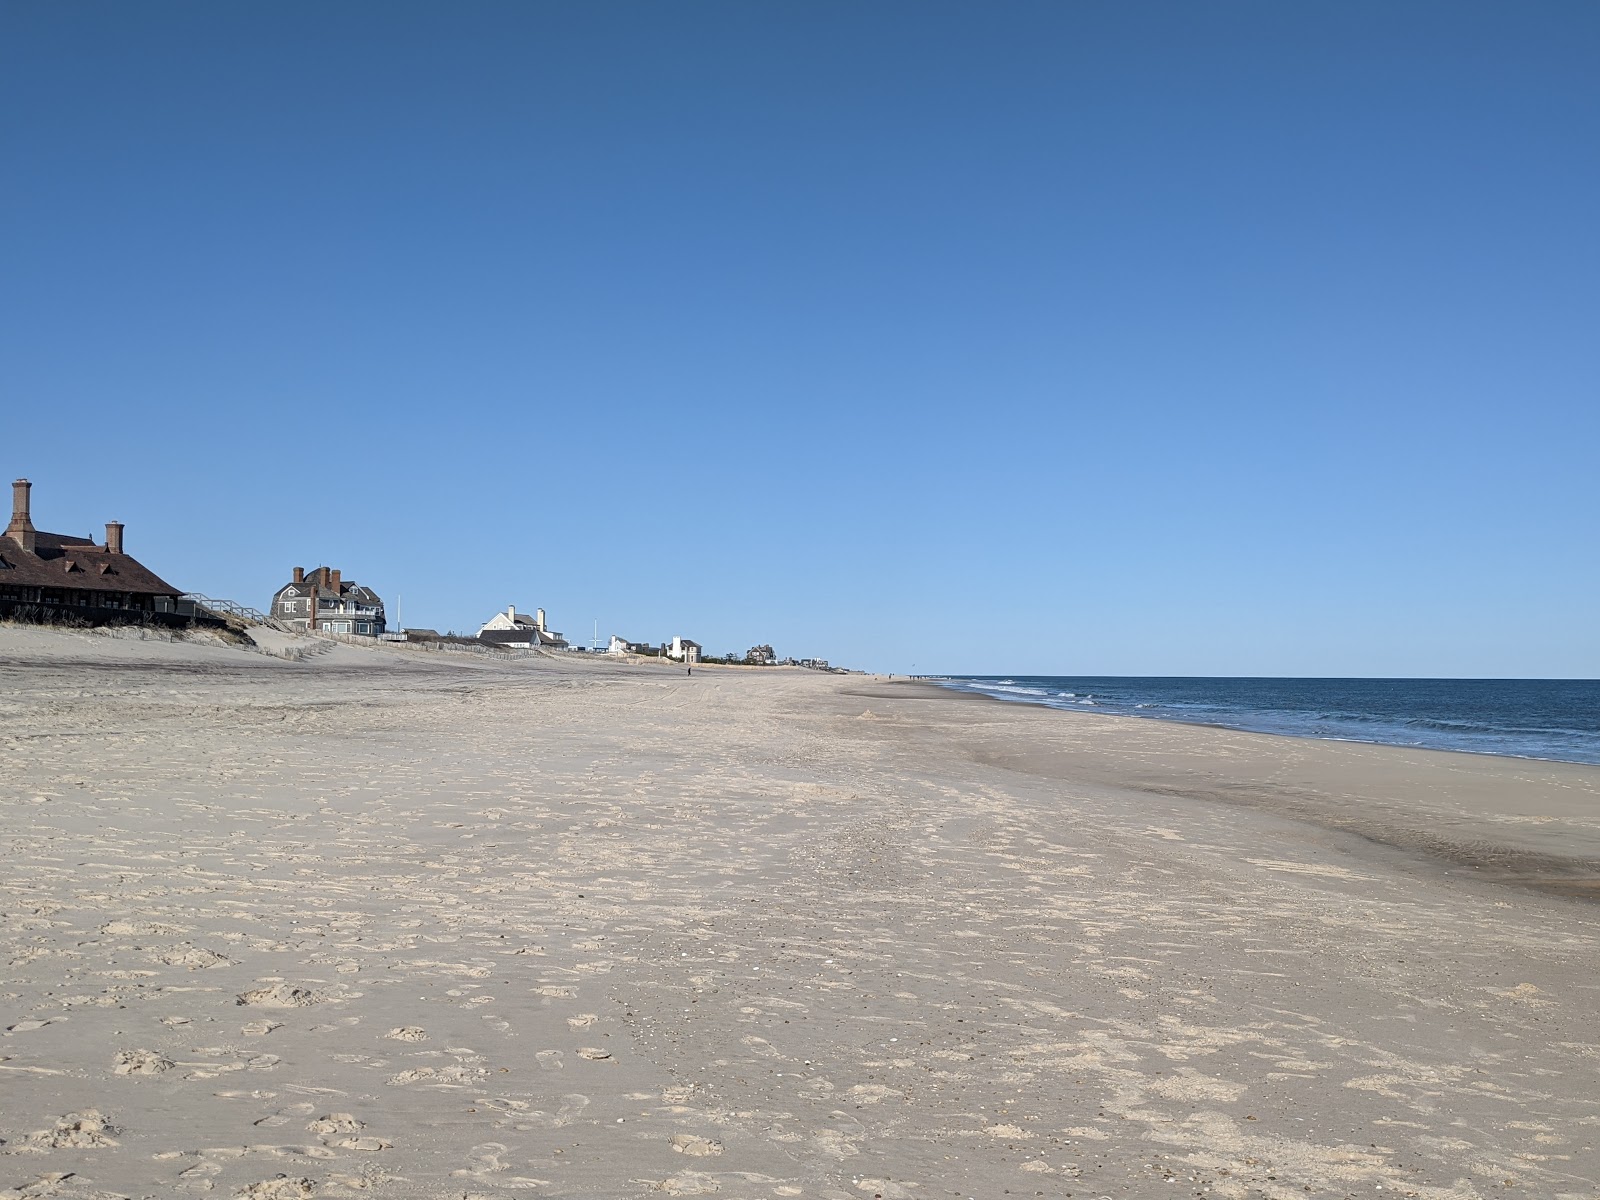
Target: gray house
321, 599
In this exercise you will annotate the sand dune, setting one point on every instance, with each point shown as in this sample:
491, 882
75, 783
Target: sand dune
389, 924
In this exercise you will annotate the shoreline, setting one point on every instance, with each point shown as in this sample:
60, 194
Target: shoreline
386, 926
1560, 857
955, 685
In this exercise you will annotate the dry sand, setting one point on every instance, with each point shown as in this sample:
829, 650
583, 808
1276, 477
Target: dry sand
388, 924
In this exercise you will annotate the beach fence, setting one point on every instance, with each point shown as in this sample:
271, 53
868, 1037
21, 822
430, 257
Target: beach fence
479, 649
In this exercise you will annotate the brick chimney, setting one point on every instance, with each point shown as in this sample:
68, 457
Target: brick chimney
299, 574
333, 582
21, 529
114, 536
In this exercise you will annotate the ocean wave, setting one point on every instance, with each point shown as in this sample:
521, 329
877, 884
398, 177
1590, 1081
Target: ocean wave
1535, 719
1042, 693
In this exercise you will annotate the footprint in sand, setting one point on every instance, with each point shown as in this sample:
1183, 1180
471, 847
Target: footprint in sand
371, 1144
279, 1189
407, 1033
550, 1060
572, 1104
341, 1023
141, 929
280, 995
760, 1045
522, 1116
201, 1177
260, 1028
195, 958
484, 1160
438, 1076
582, 1020
595, 1054
695, 1146
833, 1144
78, 1130
336, 1123
688, 1183
141, 1062
888, 1189
489, 1160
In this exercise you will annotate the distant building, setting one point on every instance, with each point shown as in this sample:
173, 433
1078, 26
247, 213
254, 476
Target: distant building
682, 650
511, 628
623, 646
54, 576
322, 599
761, 656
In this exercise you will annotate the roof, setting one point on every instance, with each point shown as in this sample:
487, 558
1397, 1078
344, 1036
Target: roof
62, 561
313, 579
523, 635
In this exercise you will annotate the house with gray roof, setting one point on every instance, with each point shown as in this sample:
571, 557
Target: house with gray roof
322, 599
511, 628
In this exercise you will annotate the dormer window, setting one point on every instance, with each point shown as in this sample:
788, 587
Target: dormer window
290, 591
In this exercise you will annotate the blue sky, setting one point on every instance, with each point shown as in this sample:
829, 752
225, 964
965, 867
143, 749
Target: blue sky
1244, 338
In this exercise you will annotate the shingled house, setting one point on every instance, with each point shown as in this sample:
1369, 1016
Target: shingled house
57, 577
511, 628
322, 599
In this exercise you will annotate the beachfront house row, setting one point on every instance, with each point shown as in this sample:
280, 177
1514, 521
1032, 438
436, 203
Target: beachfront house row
58, 577
511, 628
681, 649
322, 599
620, 645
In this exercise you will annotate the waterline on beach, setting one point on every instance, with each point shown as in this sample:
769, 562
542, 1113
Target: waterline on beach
1554, 719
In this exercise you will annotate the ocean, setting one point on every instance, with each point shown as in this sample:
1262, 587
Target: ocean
1555, 719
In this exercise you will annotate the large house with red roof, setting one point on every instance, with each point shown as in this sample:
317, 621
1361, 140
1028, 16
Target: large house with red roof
60, 578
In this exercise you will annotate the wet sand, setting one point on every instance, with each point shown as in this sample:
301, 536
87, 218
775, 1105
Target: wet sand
388, 924
1520, 821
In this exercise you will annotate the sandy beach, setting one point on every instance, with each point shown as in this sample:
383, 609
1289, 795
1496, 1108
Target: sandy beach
391, 924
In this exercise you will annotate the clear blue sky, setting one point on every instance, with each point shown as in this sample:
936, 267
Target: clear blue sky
1237, 338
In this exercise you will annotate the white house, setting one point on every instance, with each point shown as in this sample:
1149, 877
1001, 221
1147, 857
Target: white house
683, 650
511, 628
